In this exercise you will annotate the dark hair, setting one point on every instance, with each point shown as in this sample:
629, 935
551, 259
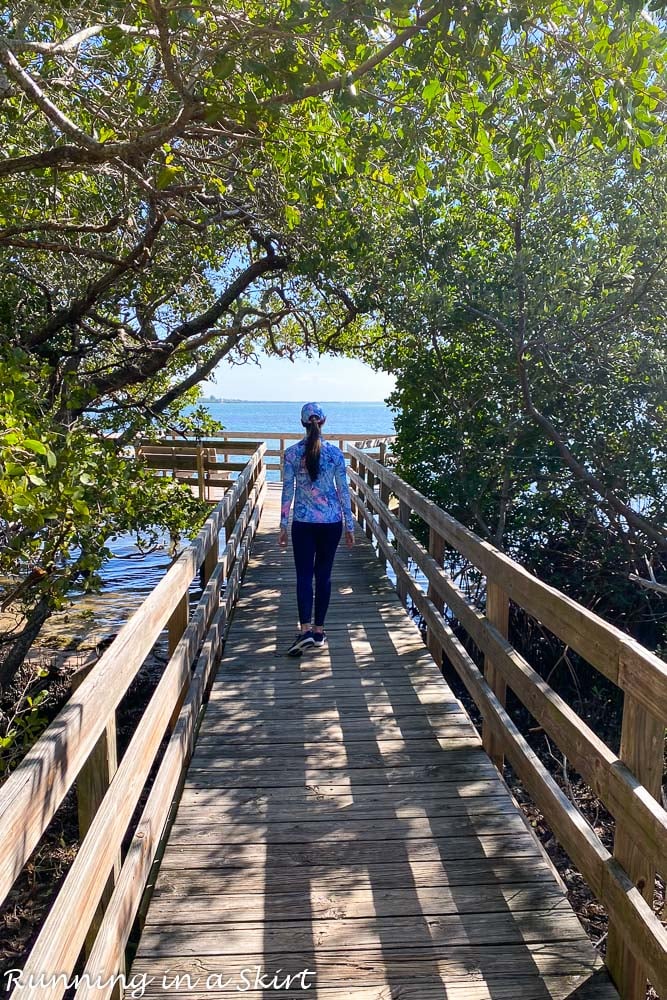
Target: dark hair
313, 448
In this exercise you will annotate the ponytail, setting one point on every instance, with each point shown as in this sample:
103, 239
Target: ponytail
313, 449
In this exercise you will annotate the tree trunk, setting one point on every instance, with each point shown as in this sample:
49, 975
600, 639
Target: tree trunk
17, 654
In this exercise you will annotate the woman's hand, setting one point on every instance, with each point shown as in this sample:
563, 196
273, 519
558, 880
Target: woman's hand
282, 538
349, 539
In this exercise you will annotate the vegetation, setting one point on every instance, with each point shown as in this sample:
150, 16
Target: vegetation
531, 369
182, 183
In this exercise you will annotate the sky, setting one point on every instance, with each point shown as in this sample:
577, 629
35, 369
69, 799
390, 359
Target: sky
325, 379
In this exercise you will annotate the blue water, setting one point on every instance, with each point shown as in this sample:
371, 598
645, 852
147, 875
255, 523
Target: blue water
276, 417
128, 576
280, 417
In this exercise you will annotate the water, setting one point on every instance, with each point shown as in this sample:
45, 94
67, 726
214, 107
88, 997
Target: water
128, 577
280, 417
277, 417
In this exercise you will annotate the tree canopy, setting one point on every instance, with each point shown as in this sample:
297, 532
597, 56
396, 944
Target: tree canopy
183, 183
531, 374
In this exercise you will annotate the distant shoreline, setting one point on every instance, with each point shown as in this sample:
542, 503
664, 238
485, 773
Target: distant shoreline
339, 402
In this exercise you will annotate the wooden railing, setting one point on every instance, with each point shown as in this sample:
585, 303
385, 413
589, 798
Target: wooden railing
369, 442
100, 897
209, 462
628, 784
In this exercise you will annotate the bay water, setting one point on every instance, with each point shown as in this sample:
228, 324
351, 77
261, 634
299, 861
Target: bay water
129, 576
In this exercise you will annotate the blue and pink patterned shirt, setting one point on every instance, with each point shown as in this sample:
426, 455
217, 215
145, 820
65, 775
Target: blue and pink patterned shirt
324, 501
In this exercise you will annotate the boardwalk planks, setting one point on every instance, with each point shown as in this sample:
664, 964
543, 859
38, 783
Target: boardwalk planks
341, 816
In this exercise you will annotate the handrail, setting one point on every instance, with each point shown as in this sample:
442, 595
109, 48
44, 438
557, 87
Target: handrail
32, 794
628, 784
182, 455
297, 435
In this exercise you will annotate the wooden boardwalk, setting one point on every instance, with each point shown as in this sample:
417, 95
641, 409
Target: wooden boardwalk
340, 816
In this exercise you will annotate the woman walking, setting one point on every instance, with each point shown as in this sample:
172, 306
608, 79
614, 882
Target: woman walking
322, 501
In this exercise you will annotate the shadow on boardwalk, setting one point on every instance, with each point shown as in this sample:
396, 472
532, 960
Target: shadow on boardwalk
341, 817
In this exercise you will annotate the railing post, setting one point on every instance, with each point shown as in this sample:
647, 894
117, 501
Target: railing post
200, 471
91, 786
370, 479
642, 738
361, 471
209, 564
436, 548
230, 521
178, 622
497, 613
384, 489
404, 511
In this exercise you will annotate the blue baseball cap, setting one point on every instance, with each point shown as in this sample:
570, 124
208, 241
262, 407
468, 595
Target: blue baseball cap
312, 410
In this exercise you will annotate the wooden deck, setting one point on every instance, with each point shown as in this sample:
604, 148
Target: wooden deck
340, 816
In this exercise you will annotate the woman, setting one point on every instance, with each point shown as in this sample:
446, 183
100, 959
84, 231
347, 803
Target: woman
317, 469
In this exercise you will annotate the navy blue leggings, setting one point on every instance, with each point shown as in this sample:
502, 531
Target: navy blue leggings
314, 548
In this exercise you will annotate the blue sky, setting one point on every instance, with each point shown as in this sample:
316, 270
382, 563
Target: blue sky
326, 378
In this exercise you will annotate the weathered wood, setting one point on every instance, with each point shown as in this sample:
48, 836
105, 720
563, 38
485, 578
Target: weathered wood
497, 613
643, 933
404, 512
356, 903
612, 781
530, 988
370, 480
343, 802
642, 750
462, 967
173, 884
184, 462
250, 774
436, 548
92, 785
255, 938
178, 622
32, 794
348, 853
219, 445
105, 960
210, 562
71, 916
642, 673
257, 436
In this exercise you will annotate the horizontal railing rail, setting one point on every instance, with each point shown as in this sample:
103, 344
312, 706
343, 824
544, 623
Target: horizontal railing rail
100, 896
628, 783
209, 458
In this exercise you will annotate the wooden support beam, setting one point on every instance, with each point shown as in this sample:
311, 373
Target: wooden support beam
404, 511
497, 614
370, 479
642, 750
360, 512
209, 563
92, 785
436, 548
176, 626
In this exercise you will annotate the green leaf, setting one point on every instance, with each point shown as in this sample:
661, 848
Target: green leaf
166, 175
432, 90
292, 216
35, 446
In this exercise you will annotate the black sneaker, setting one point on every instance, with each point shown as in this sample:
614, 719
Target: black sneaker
302, 641
319, 640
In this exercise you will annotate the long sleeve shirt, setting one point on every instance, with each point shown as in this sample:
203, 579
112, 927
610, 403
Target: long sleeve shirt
323, 501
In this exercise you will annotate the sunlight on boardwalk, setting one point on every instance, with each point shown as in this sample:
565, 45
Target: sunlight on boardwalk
341, 823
